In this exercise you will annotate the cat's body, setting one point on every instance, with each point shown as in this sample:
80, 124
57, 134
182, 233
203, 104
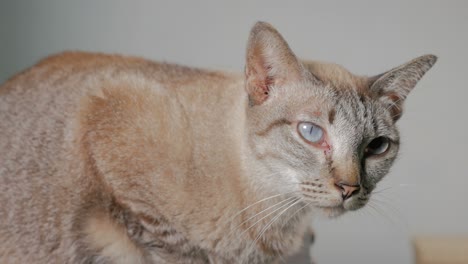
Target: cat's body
158, 139
110, 159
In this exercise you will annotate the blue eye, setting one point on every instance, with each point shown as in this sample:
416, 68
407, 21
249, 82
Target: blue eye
310, 132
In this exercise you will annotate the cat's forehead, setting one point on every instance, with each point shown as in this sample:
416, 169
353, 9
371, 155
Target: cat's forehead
337, 77
342, 91
346, 101
342, 101
359, 115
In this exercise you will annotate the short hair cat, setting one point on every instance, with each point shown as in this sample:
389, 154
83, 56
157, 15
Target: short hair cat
113, 159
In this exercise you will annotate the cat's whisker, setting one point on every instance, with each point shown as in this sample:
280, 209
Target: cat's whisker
282, 258
273, 220
383, 196
379, 213
274, 211
388, 217
286, 200
262, 200
388, 204
294, 214
281, 207
259, 213
395, 115
372, 212
381, 190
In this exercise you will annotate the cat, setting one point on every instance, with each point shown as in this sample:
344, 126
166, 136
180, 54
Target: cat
113, 159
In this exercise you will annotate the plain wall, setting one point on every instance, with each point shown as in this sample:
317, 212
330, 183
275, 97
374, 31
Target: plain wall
427, 186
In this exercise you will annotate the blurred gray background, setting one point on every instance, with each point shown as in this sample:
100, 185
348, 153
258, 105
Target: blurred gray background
426, 192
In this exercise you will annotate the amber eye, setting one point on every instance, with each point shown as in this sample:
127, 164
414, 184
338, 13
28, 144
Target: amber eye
377, 146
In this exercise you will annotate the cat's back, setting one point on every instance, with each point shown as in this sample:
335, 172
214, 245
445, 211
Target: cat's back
37, 105
40, 107
40, 111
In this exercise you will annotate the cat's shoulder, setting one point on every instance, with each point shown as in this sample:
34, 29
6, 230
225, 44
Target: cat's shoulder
77, 58
134, 64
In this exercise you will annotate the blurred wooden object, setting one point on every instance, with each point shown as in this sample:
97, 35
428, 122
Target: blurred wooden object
441, 249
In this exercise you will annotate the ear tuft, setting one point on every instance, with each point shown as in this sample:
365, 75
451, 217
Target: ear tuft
270, 62
394, 86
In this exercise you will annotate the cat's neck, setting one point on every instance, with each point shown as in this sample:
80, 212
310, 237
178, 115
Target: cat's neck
205, 181
231, 199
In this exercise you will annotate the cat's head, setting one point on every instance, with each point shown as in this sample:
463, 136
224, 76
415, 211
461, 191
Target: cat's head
316, 130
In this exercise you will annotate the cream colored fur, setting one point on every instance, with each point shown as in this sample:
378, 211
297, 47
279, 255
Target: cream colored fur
112, 159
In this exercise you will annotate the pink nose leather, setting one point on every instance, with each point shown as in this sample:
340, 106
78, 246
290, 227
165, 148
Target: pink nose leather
347, 190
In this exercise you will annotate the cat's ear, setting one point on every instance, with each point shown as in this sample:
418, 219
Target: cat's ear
270, 63
393, 86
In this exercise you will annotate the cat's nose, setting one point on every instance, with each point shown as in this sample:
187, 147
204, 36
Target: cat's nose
347, 190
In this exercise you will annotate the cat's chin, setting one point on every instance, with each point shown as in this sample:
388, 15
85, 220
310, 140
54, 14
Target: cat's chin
353, 205
332, 212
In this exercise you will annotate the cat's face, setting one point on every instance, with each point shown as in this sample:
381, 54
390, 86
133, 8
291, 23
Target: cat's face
319, 132
324, 137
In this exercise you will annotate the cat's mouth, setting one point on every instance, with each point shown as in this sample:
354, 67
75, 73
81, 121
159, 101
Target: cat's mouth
354, 204
345, 206
336, 206
329, 199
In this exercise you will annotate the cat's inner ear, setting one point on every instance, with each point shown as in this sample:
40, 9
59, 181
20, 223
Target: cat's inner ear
393, 86
270, 63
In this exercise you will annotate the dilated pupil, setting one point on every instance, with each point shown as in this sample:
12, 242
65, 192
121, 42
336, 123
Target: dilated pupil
376, 143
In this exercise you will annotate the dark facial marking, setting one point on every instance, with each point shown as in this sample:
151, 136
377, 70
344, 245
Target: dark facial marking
330, 164
273, 125
331, 116
375, 125
362, 99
